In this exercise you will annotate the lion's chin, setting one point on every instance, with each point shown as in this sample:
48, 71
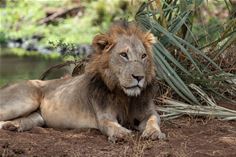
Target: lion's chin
132, 91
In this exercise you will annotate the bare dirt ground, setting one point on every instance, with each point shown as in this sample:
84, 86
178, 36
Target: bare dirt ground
187, 137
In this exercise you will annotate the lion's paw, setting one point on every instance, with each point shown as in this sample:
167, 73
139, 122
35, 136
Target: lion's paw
10, 126
162, 136
113, 139
153, 134
119, 135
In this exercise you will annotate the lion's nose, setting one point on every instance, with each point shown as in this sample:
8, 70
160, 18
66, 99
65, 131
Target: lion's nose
138, 78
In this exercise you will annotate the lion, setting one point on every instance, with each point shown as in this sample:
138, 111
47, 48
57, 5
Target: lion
113, 95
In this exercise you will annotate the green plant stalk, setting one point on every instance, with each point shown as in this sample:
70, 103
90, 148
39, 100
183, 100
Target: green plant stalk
175, 79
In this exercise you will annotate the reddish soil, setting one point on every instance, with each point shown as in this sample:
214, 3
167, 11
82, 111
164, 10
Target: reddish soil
186, 137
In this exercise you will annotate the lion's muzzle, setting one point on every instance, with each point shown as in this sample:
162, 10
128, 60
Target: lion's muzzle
132, 78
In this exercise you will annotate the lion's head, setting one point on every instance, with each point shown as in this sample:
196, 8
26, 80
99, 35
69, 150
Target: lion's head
123, 58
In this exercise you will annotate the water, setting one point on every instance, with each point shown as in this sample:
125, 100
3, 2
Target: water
14, 69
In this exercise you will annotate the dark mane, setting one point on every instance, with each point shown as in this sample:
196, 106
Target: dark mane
98, 90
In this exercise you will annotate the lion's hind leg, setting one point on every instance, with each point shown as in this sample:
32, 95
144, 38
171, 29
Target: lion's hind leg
24, 123
18, 100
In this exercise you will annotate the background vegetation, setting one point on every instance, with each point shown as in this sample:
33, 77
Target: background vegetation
21, 19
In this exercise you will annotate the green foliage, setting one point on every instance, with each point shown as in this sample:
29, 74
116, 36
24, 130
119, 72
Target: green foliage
3, 38
20, 20
107, 11
178, 56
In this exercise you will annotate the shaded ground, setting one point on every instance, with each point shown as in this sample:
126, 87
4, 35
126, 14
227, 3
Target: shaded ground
186, 137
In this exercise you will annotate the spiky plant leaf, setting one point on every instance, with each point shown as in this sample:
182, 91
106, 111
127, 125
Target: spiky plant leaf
197, 67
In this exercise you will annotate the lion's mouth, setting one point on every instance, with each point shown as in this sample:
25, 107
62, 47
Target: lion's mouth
132, 87
132, 90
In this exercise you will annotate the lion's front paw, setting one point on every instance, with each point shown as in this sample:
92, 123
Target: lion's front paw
153, 134
119, 134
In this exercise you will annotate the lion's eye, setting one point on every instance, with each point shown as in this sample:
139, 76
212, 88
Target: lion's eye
124, 54
144, 55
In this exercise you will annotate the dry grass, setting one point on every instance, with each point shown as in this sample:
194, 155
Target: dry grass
136, 146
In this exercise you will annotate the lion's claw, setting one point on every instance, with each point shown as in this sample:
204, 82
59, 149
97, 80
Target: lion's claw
112, 139
120, 135
162, 136
153, 134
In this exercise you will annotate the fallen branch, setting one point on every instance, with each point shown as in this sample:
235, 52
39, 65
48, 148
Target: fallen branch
79, 67
60, 13
58, 66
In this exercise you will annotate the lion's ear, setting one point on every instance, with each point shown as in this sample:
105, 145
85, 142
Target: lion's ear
102, 42
150, 38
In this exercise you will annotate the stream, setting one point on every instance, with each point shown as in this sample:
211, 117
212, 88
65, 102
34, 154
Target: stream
14, 69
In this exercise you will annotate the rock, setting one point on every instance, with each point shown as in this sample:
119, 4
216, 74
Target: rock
30, 45
85, 50
45, 50
15, 43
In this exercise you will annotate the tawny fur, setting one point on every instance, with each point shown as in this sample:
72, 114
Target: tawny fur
114, 94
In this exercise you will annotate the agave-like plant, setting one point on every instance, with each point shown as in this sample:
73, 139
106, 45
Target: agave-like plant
190, 69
